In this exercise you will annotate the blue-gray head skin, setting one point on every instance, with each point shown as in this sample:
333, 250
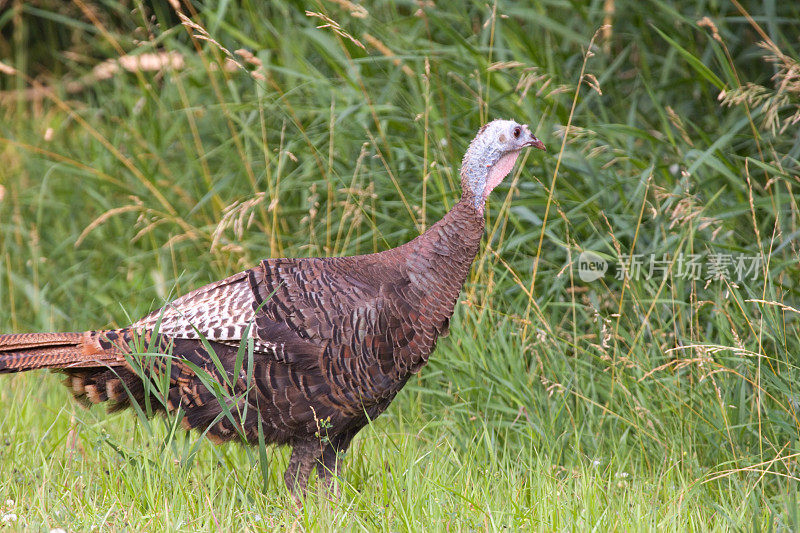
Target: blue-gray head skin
491, 156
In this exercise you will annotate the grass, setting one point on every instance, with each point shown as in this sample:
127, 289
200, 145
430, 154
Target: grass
654, 402
80, 473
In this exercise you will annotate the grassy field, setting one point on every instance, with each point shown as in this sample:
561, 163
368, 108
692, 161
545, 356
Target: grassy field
663, 400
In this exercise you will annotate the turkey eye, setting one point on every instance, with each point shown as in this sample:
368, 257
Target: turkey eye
517, 131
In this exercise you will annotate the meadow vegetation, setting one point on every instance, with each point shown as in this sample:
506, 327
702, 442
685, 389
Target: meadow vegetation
663, 400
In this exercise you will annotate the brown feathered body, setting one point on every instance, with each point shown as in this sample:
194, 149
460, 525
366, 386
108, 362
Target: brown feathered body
333, 341
330, 341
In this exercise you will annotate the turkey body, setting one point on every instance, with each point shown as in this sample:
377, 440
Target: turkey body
332, 341
329, 341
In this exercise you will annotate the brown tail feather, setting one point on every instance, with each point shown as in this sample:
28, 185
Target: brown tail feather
25, 341
29, 351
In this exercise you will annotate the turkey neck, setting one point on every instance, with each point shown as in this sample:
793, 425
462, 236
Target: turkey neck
439, 260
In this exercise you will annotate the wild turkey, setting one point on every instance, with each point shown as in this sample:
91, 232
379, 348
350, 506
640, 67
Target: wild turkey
333, 339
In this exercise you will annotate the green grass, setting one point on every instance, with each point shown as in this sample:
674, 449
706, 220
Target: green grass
401, 474
555, 404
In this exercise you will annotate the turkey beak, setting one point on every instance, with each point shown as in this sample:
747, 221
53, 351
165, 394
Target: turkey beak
536, 143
